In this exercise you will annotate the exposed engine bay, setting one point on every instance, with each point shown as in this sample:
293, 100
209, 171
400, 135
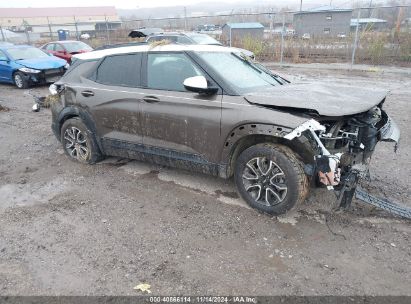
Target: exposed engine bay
344, 147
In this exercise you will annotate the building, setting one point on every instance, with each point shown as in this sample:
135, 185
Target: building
238, 31
369, 24
46, 20
323, 21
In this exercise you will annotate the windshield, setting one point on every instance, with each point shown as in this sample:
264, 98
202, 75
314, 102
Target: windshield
243, 75
72, 47
204, 39
26, 53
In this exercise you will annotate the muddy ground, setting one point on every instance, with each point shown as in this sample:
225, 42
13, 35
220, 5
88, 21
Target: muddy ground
72, 229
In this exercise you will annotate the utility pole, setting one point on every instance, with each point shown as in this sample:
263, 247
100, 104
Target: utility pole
271, 23
185, 18
2, 34
369, 10
51, 33
356, 38
75, 24
282, 39
107, 30
301, 5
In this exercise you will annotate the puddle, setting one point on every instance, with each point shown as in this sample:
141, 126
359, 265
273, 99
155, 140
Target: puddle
17, 195
223, 190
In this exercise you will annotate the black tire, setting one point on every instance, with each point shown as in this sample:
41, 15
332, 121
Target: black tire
74, 141
20, 80
286, 178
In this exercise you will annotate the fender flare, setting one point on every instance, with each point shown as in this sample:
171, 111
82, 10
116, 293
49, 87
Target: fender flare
241, 131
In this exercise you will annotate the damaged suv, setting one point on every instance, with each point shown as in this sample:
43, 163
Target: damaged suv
206, 108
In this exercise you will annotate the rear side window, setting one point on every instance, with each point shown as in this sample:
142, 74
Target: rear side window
49, 47
58, 47
183, 40
120, 70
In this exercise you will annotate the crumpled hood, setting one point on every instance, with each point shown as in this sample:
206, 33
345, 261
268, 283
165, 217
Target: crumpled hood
45, 63
326, 98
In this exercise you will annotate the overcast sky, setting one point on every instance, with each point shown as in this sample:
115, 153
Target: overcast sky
117, 3
129, 4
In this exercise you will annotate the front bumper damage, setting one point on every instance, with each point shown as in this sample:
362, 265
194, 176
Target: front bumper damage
44, 76
341, 169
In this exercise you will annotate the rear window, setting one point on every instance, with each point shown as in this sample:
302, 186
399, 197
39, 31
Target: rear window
120, 70
79, 68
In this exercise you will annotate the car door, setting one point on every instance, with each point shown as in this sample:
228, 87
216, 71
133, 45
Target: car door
175, 121
6, 70
113, 97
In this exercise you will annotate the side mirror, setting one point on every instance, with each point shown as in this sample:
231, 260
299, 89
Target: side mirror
198, 84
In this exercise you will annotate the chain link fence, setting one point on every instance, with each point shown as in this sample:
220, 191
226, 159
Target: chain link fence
371, 35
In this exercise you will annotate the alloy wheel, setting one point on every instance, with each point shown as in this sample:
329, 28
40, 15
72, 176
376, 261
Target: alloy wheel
75, 143
265, 181
18, 80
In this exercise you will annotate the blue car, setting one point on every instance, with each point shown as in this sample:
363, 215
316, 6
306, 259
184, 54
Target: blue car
24, 65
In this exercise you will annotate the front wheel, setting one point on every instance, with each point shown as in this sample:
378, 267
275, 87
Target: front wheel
270, 178
20, 80
78, 142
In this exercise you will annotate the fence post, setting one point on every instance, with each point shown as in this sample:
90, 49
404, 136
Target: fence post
26, 31
75, 24
51, 32
356, 38
2, 34
230, 34
282, 40
185, 18
107, 31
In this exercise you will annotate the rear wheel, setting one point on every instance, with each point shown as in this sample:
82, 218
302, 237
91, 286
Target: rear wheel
20, 80
270, 178
78, 142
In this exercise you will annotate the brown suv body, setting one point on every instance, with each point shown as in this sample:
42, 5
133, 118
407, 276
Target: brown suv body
137, 113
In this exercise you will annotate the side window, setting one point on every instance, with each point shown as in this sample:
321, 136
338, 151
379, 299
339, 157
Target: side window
168, 71
3, 56
120, 70
170, 38
58, 48
50, 47
183, 40
152, 39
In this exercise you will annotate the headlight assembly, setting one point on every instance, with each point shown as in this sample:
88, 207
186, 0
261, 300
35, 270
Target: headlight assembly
67, 66
28, 70
53, 89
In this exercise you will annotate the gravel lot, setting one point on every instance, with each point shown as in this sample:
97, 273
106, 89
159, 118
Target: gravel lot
71, 229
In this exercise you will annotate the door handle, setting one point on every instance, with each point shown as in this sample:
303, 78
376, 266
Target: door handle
151, 99
87, 93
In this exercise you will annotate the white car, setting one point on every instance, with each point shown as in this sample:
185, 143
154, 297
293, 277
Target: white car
306, 36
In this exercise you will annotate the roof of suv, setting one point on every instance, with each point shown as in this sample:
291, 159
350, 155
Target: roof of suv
150, 47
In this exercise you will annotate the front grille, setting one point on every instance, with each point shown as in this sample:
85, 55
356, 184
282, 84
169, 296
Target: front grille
54, 72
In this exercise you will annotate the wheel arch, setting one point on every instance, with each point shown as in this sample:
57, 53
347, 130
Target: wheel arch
86, 118
245, 136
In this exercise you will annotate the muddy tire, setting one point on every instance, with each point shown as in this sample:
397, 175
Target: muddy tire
270, 178
79, 142
20, 80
